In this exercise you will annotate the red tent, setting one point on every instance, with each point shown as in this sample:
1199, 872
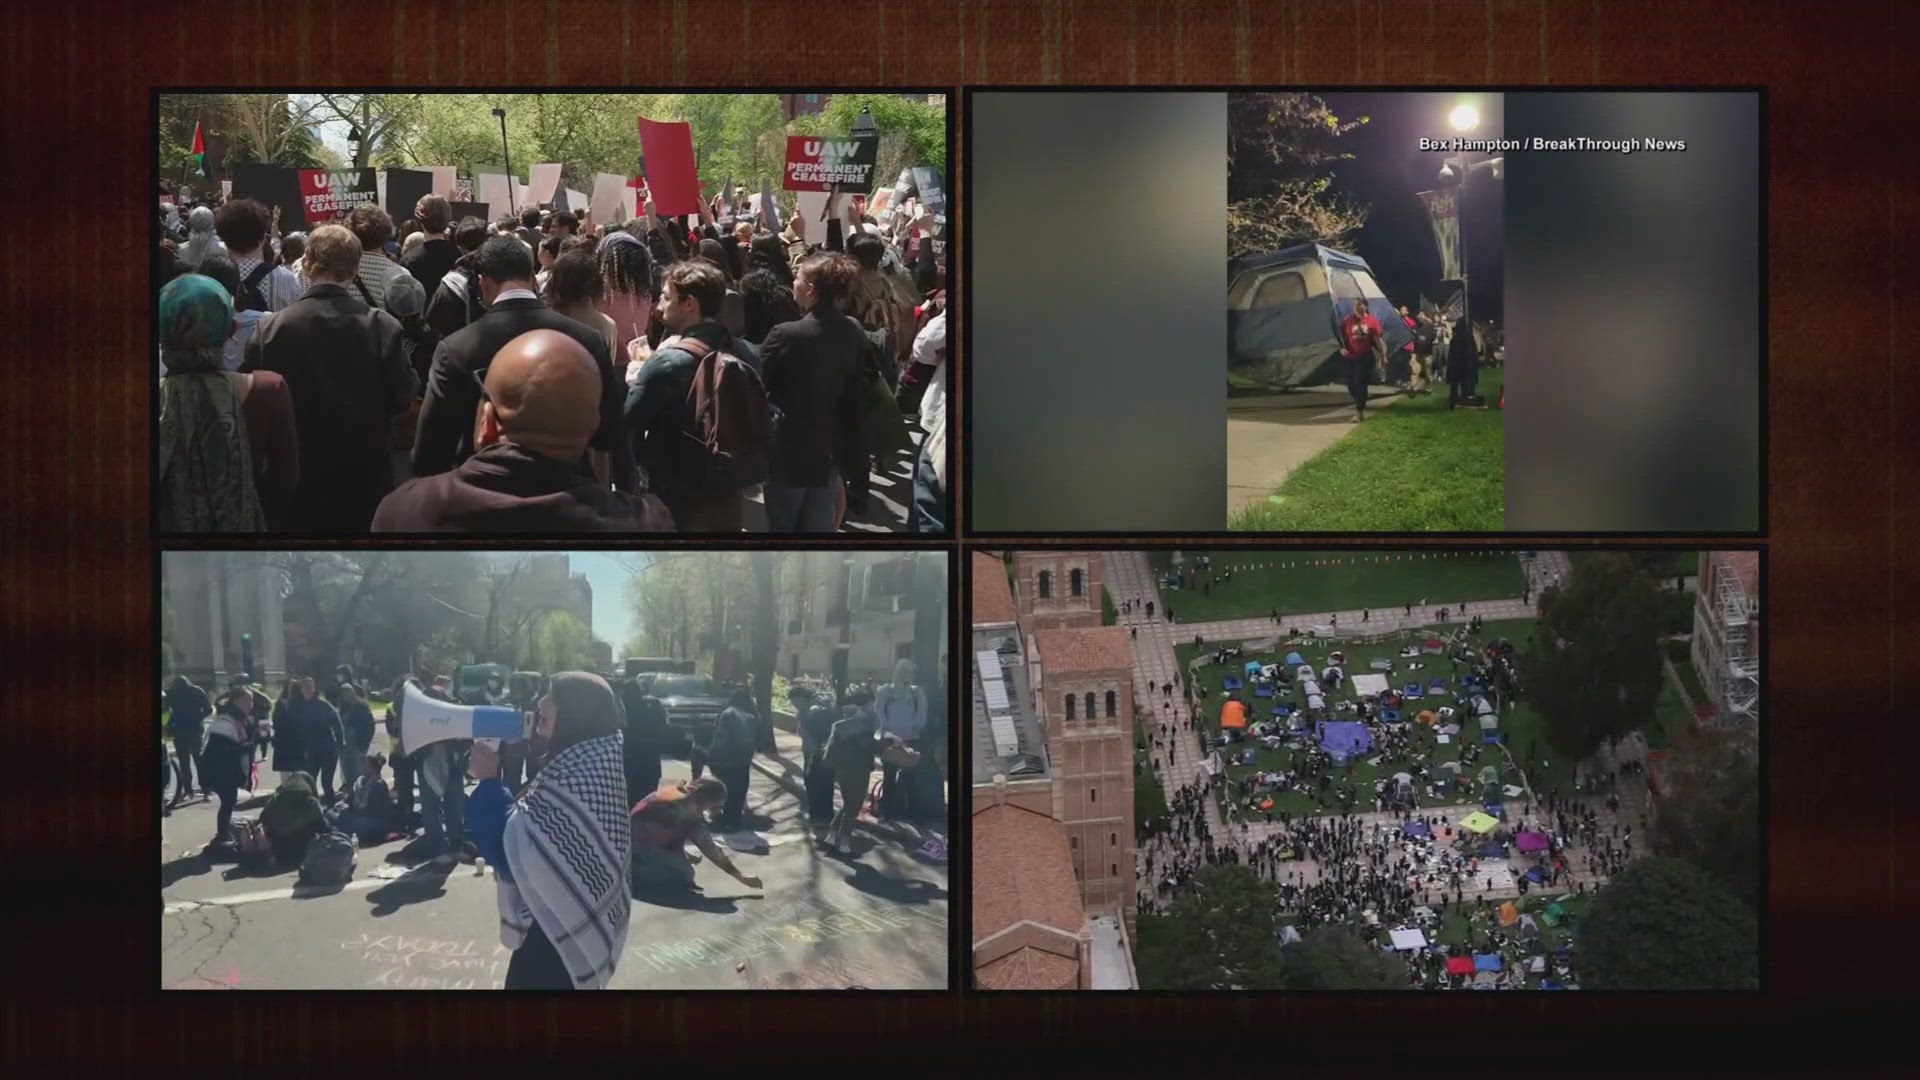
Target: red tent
1460, 965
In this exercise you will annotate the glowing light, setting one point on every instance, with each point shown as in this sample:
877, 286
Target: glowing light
1464, 118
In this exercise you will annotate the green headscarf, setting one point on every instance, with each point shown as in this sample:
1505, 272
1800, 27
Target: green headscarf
206, 461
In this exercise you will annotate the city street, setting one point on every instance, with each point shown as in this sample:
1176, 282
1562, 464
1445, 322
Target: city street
875, 918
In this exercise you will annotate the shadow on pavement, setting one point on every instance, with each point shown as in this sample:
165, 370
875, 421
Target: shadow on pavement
188, 866
683, 899
428, 882
896, 890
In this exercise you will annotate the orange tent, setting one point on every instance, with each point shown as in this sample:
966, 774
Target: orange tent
1233, 714
1509, 914
1266, 804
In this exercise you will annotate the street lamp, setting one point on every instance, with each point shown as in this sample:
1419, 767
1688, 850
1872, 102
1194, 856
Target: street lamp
1464, 117
354, 139
506, 155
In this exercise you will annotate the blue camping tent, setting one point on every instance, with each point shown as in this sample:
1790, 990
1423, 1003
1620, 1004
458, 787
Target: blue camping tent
1391, 716
1493, 849
1263, 690
1284, 311
1252, 668
1294, 659
1231, 682
1536, 875
1417, 829
1486, 961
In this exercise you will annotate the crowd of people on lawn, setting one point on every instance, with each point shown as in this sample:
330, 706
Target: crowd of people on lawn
546, 373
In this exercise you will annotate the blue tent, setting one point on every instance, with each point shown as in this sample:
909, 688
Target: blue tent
1252, 668
1417, 829
1413, 689
1536, 875
1345, 738
1263, 690
1486, 961
1490, 737
1437, 686
1283, 710
1493, 849
1230, 682
1294, 659
1284, 310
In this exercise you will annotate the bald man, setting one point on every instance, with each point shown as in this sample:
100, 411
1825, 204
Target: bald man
539, 408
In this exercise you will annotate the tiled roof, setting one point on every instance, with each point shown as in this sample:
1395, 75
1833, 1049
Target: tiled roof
1100, 648
1022, 870
1027, 968
992, 596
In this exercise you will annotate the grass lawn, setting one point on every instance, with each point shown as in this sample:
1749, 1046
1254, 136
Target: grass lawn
1521, 726
1415, 466
1692, 680
1370, 579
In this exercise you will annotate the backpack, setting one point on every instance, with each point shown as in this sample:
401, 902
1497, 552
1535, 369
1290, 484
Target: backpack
251, 298
250, 843
729, 416
329, 860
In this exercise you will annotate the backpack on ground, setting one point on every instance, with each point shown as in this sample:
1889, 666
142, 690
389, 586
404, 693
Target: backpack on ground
250, 844
329, 860
729, 415
251, 296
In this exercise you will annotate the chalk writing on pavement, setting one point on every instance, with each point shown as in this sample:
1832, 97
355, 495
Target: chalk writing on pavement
408, 962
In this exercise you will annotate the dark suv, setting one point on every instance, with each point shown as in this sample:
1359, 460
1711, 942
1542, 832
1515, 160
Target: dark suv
693, 704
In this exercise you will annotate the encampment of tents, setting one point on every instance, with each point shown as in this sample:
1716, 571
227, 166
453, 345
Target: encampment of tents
1478, 823
1407, 940
1233, 714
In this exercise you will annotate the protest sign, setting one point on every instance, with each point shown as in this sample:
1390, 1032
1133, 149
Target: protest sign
327, 196
811, 214
927, 180
903, 187
405, 189
274, 186
460, 211
444, 178
881, 200
821, 162
667, 149
769, 210
491, 188
613, 198
542, 182
577, 202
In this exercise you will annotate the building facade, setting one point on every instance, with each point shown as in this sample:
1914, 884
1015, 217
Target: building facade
883, 592
1057, 590
217, 605
1083, 688
1726, 632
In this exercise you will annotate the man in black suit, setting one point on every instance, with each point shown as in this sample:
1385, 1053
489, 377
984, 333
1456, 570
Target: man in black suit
448, 413
348, 376
813, 376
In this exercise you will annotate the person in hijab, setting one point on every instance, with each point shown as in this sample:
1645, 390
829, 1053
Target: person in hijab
292, 818
321, 735
206, 476
561, 851
201, 241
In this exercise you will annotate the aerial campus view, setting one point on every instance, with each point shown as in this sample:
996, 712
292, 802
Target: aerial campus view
1378, 768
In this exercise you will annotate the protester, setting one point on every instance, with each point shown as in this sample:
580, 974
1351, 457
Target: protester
646, 738
814, 717
228, 454
436, 252
402, 760
368, 814
321, 736
292, 818
457, 300
765, 302
187, 712
573, 288
541, 406
373, 228
347, 374
729, 753
930, 466
850, 750
356, 722
813, 376
201, 239
665, 822
1424, 334
441, 767
242, 226
880, 300
1463, 366
561, 851
901, 708
658, 416
1360, 332
223, 768
453, 393
223, 271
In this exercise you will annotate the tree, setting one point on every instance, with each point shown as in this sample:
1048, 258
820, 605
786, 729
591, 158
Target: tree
1336, 958
1221, 934
1594, 672
375, 116
911, 132
325, 591
273, 128
559, 642
1709, 807
1280, 149
766, 637
1664, 924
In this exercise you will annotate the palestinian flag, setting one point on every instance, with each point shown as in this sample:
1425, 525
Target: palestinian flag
199, 155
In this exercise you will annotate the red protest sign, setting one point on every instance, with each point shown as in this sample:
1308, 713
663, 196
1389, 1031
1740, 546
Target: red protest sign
819, 162
671, 176
327, 196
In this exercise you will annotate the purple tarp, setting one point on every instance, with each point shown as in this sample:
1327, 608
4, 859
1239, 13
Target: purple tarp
1532, 841
1345, 738
1417, 828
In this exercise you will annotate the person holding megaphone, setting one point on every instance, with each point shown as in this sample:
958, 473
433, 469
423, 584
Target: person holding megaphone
561, 851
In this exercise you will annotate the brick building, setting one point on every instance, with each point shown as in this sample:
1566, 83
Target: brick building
1726, 632
1052, 786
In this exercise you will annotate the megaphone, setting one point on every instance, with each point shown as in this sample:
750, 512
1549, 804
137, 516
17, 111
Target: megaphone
425, 720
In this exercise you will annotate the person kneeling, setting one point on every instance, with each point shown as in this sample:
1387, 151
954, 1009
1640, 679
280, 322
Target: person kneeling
369, 813
665, 822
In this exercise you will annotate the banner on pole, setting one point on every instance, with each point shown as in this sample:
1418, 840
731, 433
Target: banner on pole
1443, 210
822, 162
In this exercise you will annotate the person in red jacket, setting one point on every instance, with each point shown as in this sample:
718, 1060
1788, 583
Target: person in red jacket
1358, 334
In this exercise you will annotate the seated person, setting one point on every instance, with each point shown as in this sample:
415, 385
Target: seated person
665, 822
292, 818
368, 813
540, 409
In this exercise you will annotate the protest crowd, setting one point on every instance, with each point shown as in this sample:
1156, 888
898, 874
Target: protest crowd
588, 767
544, 372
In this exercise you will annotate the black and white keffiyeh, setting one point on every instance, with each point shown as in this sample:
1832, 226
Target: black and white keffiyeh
567, 843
